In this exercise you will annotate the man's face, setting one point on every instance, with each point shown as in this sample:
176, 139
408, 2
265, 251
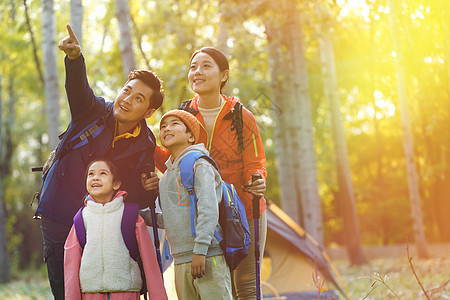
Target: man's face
131, 104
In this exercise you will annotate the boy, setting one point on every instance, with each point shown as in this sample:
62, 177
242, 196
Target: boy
201, 271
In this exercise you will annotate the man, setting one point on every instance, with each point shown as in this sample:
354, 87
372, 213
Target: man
115, 131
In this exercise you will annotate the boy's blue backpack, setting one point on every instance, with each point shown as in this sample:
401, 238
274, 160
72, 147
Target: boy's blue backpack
232, 217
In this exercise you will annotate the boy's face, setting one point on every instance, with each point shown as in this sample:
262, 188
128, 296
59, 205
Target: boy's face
131, 104
173, 134
100, 182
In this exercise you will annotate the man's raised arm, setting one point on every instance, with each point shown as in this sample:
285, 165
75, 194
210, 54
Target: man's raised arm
70, 44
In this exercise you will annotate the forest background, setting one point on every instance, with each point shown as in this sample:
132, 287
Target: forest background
352, 99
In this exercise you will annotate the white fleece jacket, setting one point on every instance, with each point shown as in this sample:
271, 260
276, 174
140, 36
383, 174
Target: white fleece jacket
106, 264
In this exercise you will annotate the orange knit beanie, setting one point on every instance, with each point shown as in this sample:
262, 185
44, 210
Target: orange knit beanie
187, 118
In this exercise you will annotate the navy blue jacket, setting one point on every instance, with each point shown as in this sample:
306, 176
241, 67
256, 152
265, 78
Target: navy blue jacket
64, 186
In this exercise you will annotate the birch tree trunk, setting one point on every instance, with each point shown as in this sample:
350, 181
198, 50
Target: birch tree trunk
290, 200
223, 27
51, 86
293, 129
76, 18
346, 195
125, 43
5, 155
408, 147
301, 127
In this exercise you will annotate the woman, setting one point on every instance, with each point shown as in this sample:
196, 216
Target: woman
238, 156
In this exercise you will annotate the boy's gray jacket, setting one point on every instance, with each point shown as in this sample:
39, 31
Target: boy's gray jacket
175, 207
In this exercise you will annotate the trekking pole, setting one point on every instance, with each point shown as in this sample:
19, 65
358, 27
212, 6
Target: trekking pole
155, 236
152, 206
257, 251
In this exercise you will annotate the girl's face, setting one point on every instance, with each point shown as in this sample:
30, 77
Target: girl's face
100, 182
204, 75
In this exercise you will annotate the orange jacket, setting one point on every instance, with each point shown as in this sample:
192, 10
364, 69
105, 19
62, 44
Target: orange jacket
235, 166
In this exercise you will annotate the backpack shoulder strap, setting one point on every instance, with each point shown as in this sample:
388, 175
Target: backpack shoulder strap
129, 217
237, 123
187, 179
79, 227
186, 106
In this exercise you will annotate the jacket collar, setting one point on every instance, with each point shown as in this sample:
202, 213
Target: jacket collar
112, 205
230, 101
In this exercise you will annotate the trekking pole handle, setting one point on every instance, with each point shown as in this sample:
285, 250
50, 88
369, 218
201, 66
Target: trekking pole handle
147, 169
255, 177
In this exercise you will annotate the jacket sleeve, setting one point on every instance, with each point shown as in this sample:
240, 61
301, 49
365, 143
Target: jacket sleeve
155, 283
161, 156
83, 103
254, 158
205, 184
72, 261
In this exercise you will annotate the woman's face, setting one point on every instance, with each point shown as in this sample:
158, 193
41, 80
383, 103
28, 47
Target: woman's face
204, 75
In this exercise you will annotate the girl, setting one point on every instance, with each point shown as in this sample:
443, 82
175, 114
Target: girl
104, 269
236, 158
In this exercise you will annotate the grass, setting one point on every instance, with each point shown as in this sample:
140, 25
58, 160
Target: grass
27, 285
395, 272
398, 276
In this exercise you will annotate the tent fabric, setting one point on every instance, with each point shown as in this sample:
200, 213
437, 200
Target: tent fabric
295, 258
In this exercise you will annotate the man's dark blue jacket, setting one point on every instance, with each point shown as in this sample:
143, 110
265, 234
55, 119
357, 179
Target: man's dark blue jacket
64, 186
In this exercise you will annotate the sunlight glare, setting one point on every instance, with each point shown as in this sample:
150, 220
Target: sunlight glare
419, 14
386, 107
99, 12
394, 54
358, 7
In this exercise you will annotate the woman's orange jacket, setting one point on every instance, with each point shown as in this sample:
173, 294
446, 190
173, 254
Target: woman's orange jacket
236, 166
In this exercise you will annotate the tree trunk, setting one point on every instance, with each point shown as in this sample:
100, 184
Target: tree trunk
125, 43
444, 8
51, 76
222, 40
76, 18
408, 148
301, 127
290, 201
5, 155
294, 129
33, 43
351, 225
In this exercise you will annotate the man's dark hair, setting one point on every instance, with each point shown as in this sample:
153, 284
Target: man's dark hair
150, 79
